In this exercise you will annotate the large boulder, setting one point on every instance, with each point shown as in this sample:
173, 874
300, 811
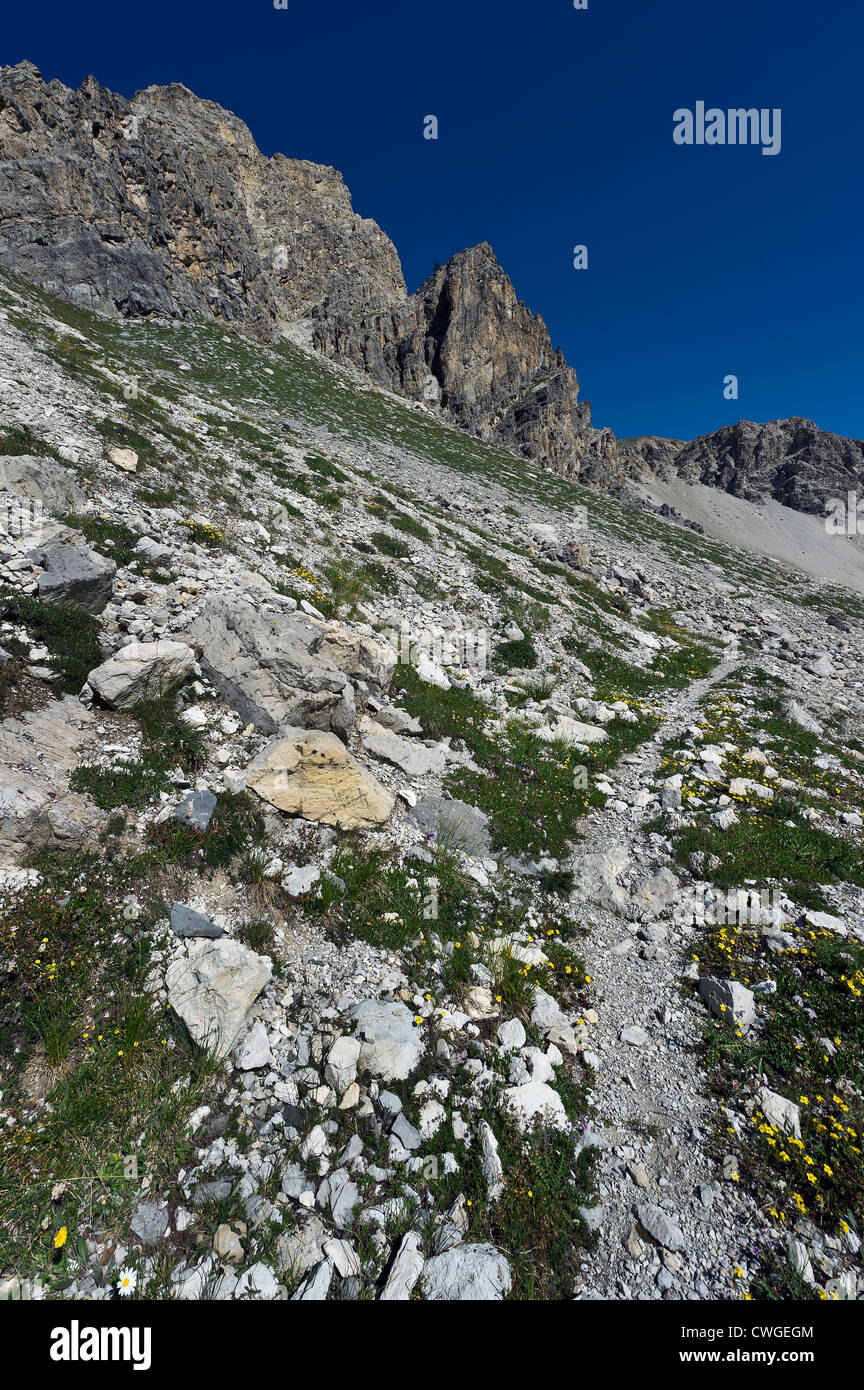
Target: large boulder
729, 998
142, 671
413, 758
213, 986
783, 1114
359, 656
536, 1101
310, 773
40, 480
572, 732
270, 667
467, 1273
75, 577
660, 1226
455, 824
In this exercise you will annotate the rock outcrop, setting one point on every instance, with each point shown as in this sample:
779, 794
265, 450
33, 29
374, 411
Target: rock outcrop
75, 577
212, 989
312, 774
26, 477
278, 668
141, 671
37, 754
164, 205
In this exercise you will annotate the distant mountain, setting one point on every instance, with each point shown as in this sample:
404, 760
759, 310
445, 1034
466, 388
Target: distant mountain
789, 461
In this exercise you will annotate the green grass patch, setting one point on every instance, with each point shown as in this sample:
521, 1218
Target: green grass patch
533, 791
109, 537
168, 743
70, 636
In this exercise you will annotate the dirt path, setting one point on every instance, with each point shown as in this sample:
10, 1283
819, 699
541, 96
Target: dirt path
654, 1116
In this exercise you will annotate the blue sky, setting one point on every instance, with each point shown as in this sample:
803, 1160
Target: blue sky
555, 129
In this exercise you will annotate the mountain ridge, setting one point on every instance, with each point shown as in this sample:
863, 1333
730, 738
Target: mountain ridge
97, 205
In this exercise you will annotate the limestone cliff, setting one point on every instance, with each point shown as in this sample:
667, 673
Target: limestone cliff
163, 205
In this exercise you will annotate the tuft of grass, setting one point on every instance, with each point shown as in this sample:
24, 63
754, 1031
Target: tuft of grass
236, 826
257, 934
109, 537
519, 655
167, 743
22, 440
532, 791
72, 637
388, 545
79, 1029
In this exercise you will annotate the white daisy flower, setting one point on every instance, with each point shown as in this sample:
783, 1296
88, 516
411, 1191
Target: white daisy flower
127, 1280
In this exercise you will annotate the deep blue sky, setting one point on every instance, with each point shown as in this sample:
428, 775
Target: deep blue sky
556, 129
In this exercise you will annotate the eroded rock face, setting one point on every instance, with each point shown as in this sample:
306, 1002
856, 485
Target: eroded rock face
37, 754
471, 1273
266, 666
27, 476
75, 577
98, 204
277, 668
310, 773
790, 461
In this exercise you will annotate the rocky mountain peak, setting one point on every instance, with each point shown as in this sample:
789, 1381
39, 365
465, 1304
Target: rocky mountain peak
466, 343
163, 206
